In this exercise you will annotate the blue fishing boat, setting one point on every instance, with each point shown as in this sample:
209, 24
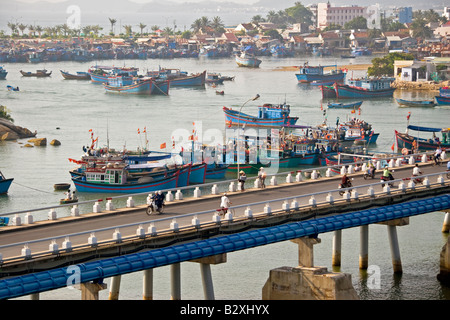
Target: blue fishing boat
160, 87
442, 100
198, 173
405, 140
3, 73
80, 75
181, 79
113, 178
353, 105
100, 74
246, 59
269, 115
415, 103
365, 88
116, 85
4, 183
216, 171
309, 74
214, 78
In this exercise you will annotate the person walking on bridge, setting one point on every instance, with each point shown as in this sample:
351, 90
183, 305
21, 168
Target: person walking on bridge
242, 178
262, 177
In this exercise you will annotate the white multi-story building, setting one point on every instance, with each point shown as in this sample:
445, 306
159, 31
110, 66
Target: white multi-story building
326, 15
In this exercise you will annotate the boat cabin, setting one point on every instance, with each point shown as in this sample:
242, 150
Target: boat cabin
371, 84
109, 174
269, 111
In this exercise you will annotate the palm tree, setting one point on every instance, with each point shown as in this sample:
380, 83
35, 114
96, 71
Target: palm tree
13, 27
142, 27
128, 30
167, 31
22, 27
39, 30
196, 25
205, 23
96, 29
217, 24
271, 16
155, 28
113, 22
31, 30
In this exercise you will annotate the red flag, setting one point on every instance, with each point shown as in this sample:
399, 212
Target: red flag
139, 131
393, 146
162, 146
409, 115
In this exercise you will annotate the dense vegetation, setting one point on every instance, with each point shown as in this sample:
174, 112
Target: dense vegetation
385, 66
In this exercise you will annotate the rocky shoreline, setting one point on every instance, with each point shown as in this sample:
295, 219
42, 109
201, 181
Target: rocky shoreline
9, 131
422, 85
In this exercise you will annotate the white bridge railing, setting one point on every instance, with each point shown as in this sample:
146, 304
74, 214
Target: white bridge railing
116, 234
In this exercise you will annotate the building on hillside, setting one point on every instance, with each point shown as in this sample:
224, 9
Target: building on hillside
326, 14
359, 39
405, 14
245, 27
411, 70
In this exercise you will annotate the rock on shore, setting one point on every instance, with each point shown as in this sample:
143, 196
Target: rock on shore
9, 131
419, 85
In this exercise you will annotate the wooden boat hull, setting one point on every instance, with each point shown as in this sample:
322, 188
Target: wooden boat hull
195, 80
442, 101
61, 186
78, 76
354, 105
198, 173
35, 74
66, 201
405, 140
216, 172
328, 91
143, 87
248, 62
325, 78
160, 184
233, 117
411, 103
348, 92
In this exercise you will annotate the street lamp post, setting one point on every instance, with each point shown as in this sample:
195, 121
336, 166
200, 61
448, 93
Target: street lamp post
237, 145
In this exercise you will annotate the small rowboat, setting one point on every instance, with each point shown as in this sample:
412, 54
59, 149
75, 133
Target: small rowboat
416, 103
11, 88
66, 201
353, 105
61, 186
220, 92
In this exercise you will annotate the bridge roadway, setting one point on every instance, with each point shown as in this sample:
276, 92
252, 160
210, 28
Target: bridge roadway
125, 216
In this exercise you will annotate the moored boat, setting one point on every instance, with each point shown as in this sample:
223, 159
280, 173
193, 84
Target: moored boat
328, 91
415, 103
115, 85
3, 73
308, 74
444, 92
248, 60
38, 73
365, 88
268, 116
405, 140
214, 78
353, 105
5, 183
443, 100
100, 74
11, 88
181, 79
80, 75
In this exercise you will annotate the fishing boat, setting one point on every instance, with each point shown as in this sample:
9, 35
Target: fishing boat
214, 78
246, 59
353, 105
187, 81
80, 75
443, 100
11, 88
405, 140
3, 73
346, 56
100, 74
308, 74
220, 92
269, 115
328, 91
216, 171
113, 178
365, 88
416, 103
116, 85
160, 87
4, 183
61, 186
38, 73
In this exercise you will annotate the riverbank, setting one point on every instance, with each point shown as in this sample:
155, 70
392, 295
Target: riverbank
350, 67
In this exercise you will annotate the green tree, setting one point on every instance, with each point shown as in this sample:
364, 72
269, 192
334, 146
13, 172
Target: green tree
420, 30
4, 114
142, 27
196, 25
217, 25
112, 21
299, 14
385, 66
356, 23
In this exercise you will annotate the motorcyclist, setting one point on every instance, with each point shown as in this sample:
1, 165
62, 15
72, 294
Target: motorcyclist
387, 175
417, 172
345, 181
158, 197
371, 170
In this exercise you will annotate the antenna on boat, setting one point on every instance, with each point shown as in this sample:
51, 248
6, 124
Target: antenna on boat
107, 134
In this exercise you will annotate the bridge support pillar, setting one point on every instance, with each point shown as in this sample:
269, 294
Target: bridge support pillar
305, 250
175, 284
337, 243
444, 274
147, 285
364, 247
395, 250
90, 290
115, 288
205, 269
446, 225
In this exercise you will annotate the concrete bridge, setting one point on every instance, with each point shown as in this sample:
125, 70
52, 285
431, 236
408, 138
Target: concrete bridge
55, 243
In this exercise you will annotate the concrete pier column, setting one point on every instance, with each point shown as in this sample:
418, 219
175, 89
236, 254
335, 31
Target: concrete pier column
305, 250
364, 247
444, 265
147, 285
337, 244
208, 288
90, 290
115, 288
175, 284
446, 225
395, 249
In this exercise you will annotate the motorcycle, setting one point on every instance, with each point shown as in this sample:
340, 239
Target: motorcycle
368, 174
153, 208
387, 179
343, 186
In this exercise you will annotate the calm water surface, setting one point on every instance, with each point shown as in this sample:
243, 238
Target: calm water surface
67, 110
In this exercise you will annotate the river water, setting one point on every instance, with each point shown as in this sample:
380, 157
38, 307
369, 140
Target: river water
67, 110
